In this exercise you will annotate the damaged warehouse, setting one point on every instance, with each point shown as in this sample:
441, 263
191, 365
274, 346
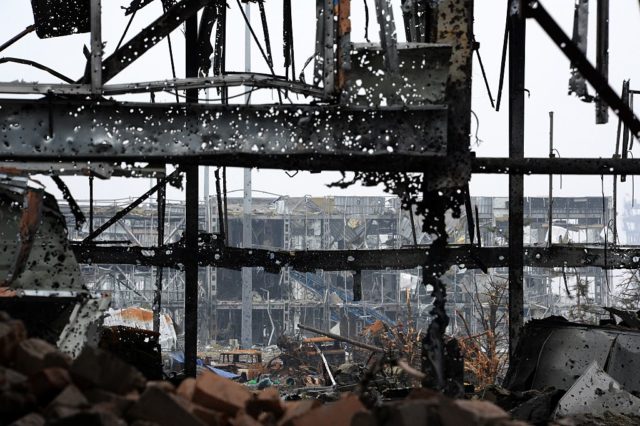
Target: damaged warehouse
410, 290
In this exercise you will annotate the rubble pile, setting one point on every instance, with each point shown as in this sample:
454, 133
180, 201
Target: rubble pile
40, 385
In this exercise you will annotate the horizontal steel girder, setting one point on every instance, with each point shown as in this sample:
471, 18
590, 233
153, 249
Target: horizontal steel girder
285, 136
466, 256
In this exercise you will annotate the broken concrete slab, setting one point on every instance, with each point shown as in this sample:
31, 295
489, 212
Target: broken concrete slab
596, 392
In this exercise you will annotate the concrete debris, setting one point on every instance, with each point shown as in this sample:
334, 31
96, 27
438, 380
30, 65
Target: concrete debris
596, 393
99, 388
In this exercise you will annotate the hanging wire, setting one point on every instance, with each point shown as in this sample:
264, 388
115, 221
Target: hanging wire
476, 49
366, 21
39, 66
218, 99
255, 38
558, 154
478, 140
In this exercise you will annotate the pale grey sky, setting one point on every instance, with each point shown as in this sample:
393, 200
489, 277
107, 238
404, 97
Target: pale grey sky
576, 134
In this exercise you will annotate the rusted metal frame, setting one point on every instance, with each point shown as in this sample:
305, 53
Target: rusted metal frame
595, 78
466, 255
602, 57
149, 37
344, 42
122, 213
517, 46
28, 227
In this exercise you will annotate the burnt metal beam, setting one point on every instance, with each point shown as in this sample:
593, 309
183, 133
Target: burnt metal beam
192, 208
594, 77
464, 256
256, 136
122, 213
556, 166
517, 46
149, 37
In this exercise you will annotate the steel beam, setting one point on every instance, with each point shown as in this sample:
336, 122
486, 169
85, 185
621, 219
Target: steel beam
464, 256
251, 135
594, 77
190, 262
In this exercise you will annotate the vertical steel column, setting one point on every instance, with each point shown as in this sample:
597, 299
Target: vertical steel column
551, 155
602, 56
246, 336
191, 222
516, 182
157, 295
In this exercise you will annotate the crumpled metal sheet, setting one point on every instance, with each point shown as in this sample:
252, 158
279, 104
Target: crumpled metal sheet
556, 353
596, 392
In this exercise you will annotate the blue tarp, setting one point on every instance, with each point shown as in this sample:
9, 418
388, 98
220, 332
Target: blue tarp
222, 373
179, 358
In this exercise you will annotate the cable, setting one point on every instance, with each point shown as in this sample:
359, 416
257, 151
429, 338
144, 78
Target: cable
39, 66
223, 98
476, 48
255, 38
173, 65
606, 231
366, 21
17, 37
504, 58
478, 140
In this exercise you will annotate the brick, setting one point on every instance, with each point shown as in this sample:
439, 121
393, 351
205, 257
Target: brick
30, 353
10, 378
93, 418
164, 409
220, 394
32, 419
12, 332
267, 400
57, 359
162, 385
49, 382
242, 418
471, 411
69, 402
98, 368
187, 388
118, 404
295, 409
339, 413
207, 416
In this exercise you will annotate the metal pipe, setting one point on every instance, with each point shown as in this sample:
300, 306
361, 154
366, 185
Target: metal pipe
96, 47
340, 338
